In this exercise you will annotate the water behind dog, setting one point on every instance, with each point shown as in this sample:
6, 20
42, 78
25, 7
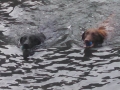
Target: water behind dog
61, 63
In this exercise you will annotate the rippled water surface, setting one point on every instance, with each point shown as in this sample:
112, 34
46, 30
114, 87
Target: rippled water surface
61, 63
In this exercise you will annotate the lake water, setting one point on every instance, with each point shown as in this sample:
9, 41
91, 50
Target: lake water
61, 63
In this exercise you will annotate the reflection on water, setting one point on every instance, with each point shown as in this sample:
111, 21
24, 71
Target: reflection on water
60, 68
61, 63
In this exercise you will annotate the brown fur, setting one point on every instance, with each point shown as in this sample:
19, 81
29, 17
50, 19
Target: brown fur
98, 35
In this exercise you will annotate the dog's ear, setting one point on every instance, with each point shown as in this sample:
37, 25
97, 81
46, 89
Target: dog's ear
101, 28
101, 38
22, 39
83, 36
35, 40
102, 35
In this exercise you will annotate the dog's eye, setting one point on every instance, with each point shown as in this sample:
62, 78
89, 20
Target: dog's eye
24, 38
87, 33
93, 34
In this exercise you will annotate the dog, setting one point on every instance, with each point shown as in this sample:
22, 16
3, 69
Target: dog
96, 36
28, 42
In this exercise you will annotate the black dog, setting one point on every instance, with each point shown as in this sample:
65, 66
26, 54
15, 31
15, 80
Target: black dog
30, 41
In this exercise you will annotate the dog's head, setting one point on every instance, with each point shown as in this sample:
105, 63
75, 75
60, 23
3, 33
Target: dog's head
28, 42
96, 36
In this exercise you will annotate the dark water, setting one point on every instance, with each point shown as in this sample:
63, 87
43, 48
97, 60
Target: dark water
61, 63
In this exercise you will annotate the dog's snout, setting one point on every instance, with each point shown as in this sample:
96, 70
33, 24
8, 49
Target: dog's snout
86, 40
26, 46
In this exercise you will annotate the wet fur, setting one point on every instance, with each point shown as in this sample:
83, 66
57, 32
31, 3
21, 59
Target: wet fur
30, 41
98, 35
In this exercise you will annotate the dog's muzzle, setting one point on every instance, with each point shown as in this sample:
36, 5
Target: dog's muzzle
26, 53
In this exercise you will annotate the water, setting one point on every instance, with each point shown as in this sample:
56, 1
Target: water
62, 63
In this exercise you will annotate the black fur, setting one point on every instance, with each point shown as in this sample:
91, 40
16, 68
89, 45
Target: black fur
29, 41
83, 36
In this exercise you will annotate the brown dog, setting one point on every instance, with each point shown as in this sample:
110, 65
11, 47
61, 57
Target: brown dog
96, 36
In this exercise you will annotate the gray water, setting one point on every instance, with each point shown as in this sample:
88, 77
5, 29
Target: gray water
61, 63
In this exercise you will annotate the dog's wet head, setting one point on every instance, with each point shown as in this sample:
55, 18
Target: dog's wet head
93, 37
27, 43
